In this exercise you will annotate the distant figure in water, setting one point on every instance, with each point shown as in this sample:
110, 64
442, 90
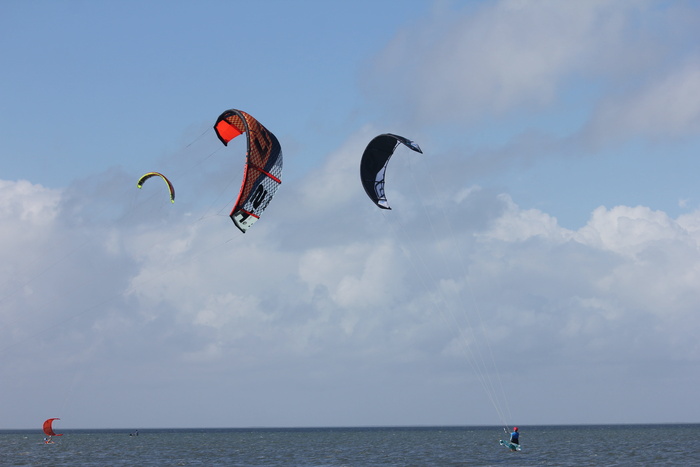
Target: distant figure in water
515, 436
48, 440
135, 433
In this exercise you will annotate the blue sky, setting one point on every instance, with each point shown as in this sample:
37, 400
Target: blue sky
153, 71
545, 247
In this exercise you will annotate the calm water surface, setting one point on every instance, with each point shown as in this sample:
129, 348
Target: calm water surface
605, 445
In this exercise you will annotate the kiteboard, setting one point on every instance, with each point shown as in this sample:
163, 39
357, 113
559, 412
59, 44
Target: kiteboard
511, 446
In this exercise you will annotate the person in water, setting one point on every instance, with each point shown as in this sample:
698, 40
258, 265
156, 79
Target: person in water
48, 440
515, 436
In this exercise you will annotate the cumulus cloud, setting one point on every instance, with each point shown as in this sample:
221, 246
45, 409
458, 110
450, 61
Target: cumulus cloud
624, 285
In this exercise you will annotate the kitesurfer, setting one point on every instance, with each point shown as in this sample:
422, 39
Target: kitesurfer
48, 440
515, 436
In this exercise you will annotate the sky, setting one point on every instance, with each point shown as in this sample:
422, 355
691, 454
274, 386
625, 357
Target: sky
540, 263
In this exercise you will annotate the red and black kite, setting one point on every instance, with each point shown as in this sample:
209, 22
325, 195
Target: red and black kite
263, 168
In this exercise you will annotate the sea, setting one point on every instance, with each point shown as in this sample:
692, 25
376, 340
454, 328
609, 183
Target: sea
588, 445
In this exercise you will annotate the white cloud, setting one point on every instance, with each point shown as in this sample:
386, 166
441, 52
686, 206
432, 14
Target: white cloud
666, 107
493, 58
24, 201
516, 225
623, 285
630, 230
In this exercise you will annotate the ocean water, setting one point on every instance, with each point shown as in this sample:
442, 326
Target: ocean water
603, 445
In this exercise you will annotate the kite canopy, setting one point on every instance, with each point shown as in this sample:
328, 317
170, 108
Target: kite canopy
263, 168
374, 162
157, 174
48, 428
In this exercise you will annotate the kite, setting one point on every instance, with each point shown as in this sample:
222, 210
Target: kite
156, 174
48, 428
263, 168
374, 162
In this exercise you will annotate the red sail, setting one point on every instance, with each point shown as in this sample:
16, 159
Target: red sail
48, 428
